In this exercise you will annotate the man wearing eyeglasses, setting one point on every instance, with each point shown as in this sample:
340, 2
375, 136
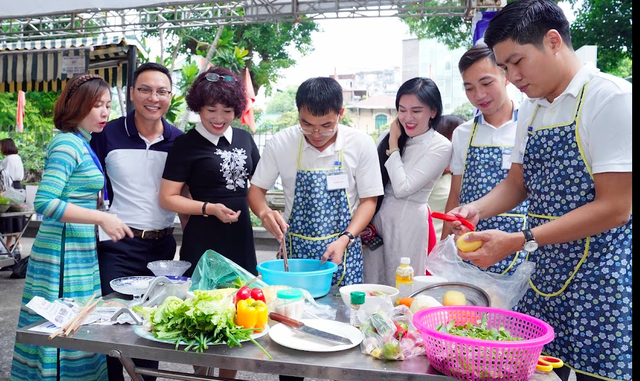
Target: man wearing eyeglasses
331, 180
133, 151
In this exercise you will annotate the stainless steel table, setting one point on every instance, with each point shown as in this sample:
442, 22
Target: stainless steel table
9, 259
120, 341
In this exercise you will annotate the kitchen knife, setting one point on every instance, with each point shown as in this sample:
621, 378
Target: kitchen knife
301, 327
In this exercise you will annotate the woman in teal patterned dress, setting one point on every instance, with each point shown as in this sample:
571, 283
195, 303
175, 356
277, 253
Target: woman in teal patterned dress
63, 261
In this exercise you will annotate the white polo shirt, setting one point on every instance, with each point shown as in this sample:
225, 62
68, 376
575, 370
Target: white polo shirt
280, 158
604, 128
486, 135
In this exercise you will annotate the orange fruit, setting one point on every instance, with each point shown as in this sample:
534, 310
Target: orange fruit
406, 301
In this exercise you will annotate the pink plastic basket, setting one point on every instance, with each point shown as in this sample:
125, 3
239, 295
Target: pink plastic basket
476, 359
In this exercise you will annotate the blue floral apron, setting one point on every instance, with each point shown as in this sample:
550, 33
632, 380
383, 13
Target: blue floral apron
318, 216
582, 288
483, 170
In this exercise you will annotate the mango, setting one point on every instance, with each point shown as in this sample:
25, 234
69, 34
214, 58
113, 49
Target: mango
467, 246
454, 298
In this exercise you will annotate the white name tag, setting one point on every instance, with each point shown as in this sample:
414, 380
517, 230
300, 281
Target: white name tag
339, 181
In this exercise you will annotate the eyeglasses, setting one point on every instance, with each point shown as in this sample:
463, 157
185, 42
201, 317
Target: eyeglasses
161, 93
215, 77
321, 131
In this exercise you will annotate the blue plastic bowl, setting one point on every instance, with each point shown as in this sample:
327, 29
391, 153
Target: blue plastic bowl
308, 274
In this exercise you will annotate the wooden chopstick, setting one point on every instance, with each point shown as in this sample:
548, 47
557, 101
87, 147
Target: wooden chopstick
283, 245
81, 318
69, 324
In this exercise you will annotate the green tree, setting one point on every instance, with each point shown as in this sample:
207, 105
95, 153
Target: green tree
465, 110
605, 23
261, 47
283, 101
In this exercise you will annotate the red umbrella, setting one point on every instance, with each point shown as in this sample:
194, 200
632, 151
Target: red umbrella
22, 101
247, 116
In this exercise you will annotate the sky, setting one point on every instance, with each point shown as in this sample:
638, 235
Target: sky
350, 45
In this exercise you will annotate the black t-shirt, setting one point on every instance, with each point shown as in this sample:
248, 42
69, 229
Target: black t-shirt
213, 172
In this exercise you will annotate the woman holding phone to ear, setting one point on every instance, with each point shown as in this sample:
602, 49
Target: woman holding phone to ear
412, 158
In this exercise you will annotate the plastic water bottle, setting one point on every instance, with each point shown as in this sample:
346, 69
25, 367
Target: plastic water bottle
404, 277
357, 300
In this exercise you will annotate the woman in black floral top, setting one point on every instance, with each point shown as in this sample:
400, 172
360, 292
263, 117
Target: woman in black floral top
216, 162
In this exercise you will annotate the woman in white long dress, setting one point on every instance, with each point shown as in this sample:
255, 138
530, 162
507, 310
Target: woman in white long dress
14, 174
412, 158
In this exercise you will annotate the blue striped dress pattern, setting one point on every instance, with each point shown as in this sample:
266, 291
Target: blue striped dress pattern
63, 260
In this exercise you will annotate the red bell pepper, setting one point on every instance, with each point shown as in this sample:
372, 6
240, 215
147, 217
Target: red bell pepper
243, 293
256, 294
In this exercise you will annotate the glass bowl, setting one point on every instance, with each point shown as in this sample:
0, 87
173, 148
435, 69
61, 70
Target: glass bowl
168, 267
132, 285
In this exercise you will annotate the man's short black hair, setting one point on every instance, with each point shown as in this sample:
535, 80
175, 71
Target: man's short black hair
320, 96
151, 66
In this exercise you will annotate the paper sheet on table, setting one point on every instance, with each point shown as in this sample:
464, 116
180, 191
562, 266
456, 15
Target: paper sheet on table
57, 312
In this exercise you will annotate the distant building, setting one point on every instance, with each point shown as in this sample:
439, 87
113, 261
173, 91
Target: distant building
350, 92
372, 113
379, 82
432, 59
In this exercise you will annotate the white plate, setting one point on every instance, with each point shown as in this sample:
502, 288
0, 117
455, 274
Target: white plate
290, 338
140, 331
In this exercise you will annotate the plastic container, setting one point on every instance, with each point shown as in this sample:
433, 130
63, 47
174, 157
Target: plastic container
307, 274
404, 277
290, 303
475, 359
357, 300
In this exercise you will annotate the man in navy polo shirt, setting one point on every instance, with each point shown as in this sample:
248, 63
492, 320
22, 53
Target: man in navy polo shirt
132, 151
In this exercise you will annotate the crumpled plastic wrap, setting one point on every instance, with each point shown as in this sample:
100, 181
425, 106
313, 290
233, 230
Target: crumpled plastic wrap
389, 333
504, 290
215, 271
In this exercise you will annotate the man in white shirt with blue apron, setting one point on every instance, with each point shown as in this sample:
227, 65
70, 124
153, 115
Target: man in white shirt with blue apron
482, 147
331, 181
573, 162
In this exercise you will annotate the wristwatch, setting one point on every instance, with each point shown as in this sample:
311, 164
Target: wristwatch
390, 151
352, 239
530, 243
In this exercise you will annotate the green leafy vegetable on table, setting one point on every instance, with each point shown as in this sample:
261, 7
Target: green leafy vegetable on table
205, 319
478, 331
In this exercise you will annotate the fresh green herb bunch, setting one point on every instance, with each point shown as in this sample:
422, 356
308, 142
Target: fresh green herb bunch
4, 200
478, 331
200, 321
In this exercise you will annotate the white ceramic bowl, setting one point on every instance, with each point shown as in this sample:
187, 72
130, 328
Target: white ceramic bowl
168, 267
368, 288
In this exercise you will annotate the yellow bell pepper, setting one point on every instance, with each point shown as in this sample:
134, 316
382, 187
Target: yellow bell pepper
252, 313
263, 315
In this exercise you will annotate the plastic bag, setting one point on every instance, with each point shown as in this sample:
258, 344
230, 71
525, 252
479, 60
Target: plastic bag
215, 271
19, 270
311, 310
504, 290
389, 333
16, 196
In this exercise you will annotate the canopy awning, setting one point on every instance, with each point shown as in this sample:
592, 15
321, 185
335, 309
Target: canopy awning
46, 65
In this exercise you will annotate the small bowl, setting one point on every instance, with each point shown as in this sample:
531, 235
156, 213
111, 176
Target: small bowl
4, 207
370, 301
131, 285
168, 267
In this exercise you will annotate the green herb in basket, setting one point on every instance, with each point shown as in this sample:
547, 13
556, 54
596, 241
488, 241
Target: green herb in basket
478, 331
